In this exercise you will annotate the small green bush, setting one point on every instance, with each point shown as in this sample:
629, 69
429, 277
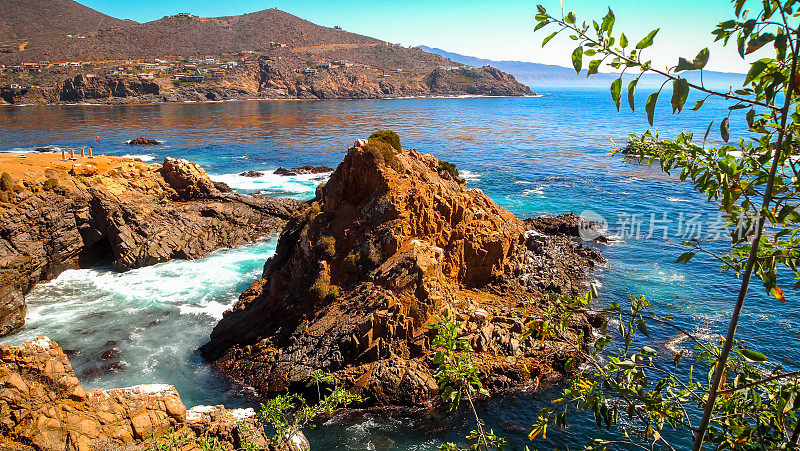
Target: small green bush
321, 287
50, 183
384, 153
387, 136
448, 167
6, 182
327, 245
350, 263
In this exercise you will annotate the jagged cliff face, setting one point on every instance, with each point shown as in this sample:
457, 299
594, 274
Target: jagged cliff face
44, 407
132, 215
277, 80
360, 271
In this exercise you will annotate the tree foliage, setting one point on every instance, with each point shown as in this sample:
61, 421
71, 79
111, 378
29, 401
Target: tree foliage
729, 396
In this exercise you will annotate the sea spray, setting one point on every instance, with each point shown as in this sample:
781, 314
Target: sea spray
154, 317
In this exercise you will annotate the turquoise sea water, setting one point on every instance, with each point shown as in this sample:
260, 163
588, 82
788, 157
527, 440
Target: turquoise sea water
542, 155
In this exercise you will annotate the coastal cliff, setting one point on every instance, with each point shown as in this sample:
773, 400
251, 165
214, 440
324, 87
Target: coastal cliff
44, 407
391, 240
56, 215
274, 80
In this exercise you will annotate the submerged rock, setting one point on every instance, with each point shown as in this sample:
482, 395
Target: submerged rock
130, 214
44, 406
303, 170
360, 271
143, 142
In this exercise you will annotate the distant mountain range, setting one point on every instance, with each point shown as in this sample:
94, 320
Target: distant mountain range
537, 74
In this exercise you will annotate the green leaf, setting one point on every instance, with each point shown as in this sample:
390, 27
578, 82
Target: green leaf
608, 21
650, 106
755, 70
642, 327
577, 59
547, 39
708, 130
725, 129
701, 59
684, 64
680, 91
632, 93
593, 66
616, 86
753, 356
685, 257
739, 6
623, 41
648, 40
540, 25
759, 41
698, 105
570, 18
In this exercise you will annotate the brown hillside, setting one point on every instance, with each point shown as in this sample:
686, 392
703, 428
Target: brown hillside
32, 20
167, 36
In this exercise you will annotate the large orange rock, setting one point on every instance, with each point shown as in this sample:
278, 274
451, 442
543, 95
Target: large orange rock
360, 271
43, 405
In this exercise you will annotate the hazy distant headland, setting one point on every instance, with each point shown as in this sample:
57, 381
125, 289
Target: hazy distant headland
537, 74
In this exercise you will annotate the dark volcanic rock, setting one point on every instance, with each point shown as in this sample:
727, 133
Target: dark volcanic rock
143, 142
251, 174
361, 270
303, 170
133, 215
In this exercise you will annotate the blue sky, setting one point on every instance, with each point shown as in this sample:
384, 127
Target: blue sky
487, 29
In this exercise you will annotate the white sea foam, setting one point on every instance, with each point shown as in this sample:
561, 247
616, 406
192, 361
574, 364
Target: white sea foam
297, 186
143, 157
677, 199
469, 176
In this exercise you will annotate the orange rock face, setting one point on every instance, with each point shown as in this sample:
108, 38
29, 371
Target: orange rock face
362, 269
43, 405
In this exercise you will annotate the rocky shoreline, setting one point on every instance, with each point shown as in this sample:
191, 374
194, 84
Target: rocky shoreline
56, 215
361, 271
271, 80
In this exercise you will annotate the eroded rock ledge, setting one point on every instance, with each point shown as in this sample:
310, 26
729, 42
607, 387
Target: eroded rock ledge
44, 407
361, 270
60, 215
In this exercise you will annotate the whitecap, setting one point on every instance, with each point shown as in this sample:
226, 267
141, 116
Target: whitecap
143, 157
296, 186
469, 176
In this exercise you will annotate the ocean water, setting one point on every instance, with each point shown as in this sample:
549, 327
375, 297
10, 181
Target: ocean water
535, 156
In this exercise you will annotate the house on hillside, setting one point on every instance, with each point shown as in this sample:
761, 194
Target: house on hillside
323, 65
145, 76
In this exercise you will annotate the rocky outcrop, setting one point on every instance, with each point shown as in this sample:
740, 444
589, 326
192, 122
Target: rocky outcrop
360, 271
82, 88
44, 407
130, 215
143, 142
303, 170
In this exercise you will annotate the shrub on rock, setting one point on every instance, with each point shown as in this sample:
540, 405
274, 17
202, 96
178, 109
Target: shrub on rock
388, 137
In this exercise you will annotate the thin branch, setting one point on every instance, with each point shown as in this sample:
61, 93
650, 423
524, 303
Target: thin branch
763, 381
